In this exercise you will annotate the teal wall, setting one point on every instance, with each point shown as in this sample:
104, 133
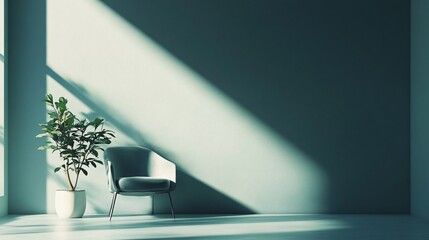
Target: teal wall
3, 206
26, 88
331, 77
419, 107
265, 106
3, 108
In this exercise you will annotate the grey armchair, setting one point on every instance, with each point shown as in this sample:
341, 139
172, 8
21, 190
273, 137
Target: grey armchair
138, 171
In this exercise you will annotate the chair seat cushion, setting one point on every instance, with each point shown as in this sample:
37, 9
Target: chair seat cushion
143, 184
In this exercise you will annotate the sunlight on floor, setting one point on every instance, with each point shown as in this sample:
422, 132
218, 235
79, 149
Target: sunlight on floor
129, 227
264, 226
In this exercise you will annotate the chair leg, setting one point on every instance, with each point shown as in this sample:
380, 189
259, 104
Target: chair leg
153, 204
112, 206
171, 205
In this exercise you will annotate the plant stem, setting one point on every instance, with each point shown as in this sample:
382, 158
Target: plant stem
66, 170
69, 180
77, 177
80, 166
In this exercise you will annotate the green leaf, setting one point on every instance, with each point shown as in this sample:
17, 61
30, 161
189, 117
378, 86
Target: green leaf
52, 114
111, 134
98, 161
41, 135
97, 122
93, 164
61, 107
69, 121
94, 152
42, 147
57, 169
84, 171
56, 132
105, 141
62, 99
49, 99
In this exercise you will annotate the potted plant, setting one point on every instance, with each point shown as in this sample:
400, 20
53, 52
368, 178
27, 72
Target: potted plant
78, 143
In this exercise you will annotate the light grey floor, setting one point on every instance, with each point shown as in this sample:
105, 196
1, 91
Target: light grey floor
258, 226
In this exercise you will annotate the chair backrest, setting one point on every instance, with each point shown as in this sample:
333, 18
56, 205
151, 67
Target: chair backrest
137, 161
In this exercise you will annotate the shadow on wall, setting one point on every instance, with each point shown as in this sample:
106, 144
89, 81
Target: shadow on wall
26, 88
98, 108
331, 76
209, 200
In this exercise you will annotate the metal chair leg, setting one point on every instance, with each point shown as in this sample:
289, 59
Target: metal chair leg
110, 210
153, 204
171, 205
112, 206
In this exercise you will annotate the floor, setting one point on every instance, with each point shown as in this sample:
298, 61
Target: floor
258, 226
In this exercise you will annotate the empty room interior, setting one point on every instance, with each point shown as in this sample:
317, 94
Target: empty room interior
189, 119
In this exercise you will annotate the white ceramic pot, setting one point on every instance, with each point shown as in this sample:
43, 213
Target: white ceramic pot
70, 204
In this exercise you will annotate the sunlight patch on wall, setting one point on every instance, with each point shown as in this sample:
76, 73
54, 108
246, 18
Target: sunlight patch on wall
207, 134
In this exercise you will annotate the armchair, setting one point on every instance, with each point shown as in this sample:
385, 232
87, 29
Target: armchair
138, 171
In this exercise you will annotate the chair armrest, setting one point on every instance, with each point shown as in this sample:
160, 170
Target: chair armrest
162, 168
